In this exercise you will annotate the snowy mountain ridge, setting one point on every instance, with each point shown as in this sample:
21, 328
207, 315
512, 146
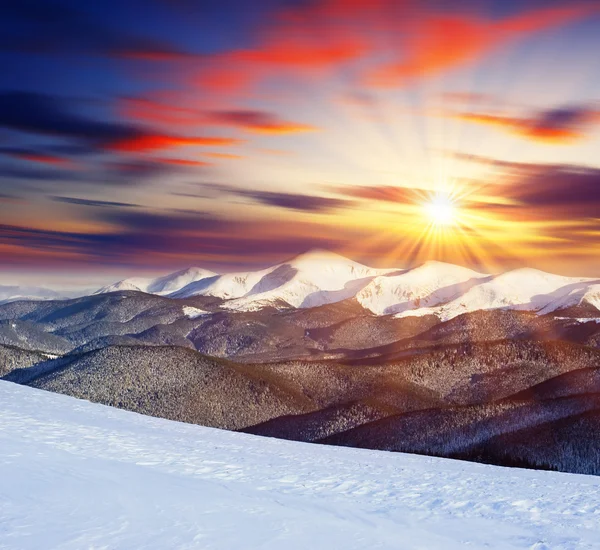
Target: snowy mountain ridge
320, 277
162, 286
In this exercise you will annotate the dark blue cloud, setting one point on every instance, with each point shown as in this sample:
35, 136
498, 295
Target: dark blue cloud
567, 190
145, 236
291, 201
51, 115
93, 203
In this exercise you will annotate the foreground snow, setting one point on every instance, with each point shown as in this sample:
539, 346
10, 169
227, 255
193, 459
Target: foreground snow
78, 475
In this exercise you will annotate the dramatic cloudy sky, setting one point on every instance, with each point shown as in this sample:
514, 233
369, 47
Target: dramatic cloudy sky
149, 135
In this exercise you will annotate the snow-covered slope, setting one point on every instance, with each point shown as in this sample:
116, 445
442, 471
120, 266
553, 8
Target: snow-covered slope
312, 279
227, 286
167, 284
576, 295
520, 289
309, 280
78, 475
430, 284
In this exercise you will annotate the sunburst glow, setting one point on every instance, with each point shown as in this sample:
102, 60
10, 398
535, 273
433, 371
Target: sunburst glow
441, 210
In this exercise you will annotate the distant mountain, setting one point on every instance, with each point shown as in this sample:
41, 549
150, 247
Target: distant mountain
12, 293
520, 289
438, 359
313, 279
165, 285
430, 284
319, 277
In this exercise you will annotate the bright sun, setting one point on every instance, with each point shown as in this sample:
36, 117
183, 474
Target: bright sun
441, 210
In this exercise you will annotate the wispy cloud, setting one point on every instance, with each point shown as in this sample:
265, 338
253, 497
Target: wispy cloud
292, 201
259, 122
441, 42
561, 125
385, 193
93, 203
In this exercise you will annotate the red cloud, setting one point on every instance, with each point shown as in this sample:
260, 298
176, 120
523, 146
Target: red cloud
183, 162
313, 37
327, 34
151, 142
258, 122
157, 113
440, 43
45, 159
554, 126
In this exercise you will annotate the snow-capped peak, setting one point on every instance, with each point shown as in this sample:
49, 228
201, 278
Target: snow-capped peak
320, 258
319, 277
164, 285
520, 289
428, 285
176, 281
312, 279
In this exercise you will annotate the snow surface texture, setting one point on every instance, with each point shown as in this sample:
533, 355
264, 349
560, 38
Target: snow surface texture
78, 475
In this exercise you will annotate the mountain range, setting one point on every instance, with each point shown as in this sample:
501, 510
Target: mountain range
320, 277
438, 359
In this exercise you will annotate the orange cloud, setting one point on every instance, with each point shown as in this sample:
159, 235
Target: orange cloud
183, 162
151, 142
554, 126
440, 43
386, 193
328, 34
255, 121
282, 128
258, 122
223, 156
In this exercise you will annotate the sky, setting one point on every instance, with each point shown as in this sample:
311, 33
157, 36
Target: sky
148, 136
